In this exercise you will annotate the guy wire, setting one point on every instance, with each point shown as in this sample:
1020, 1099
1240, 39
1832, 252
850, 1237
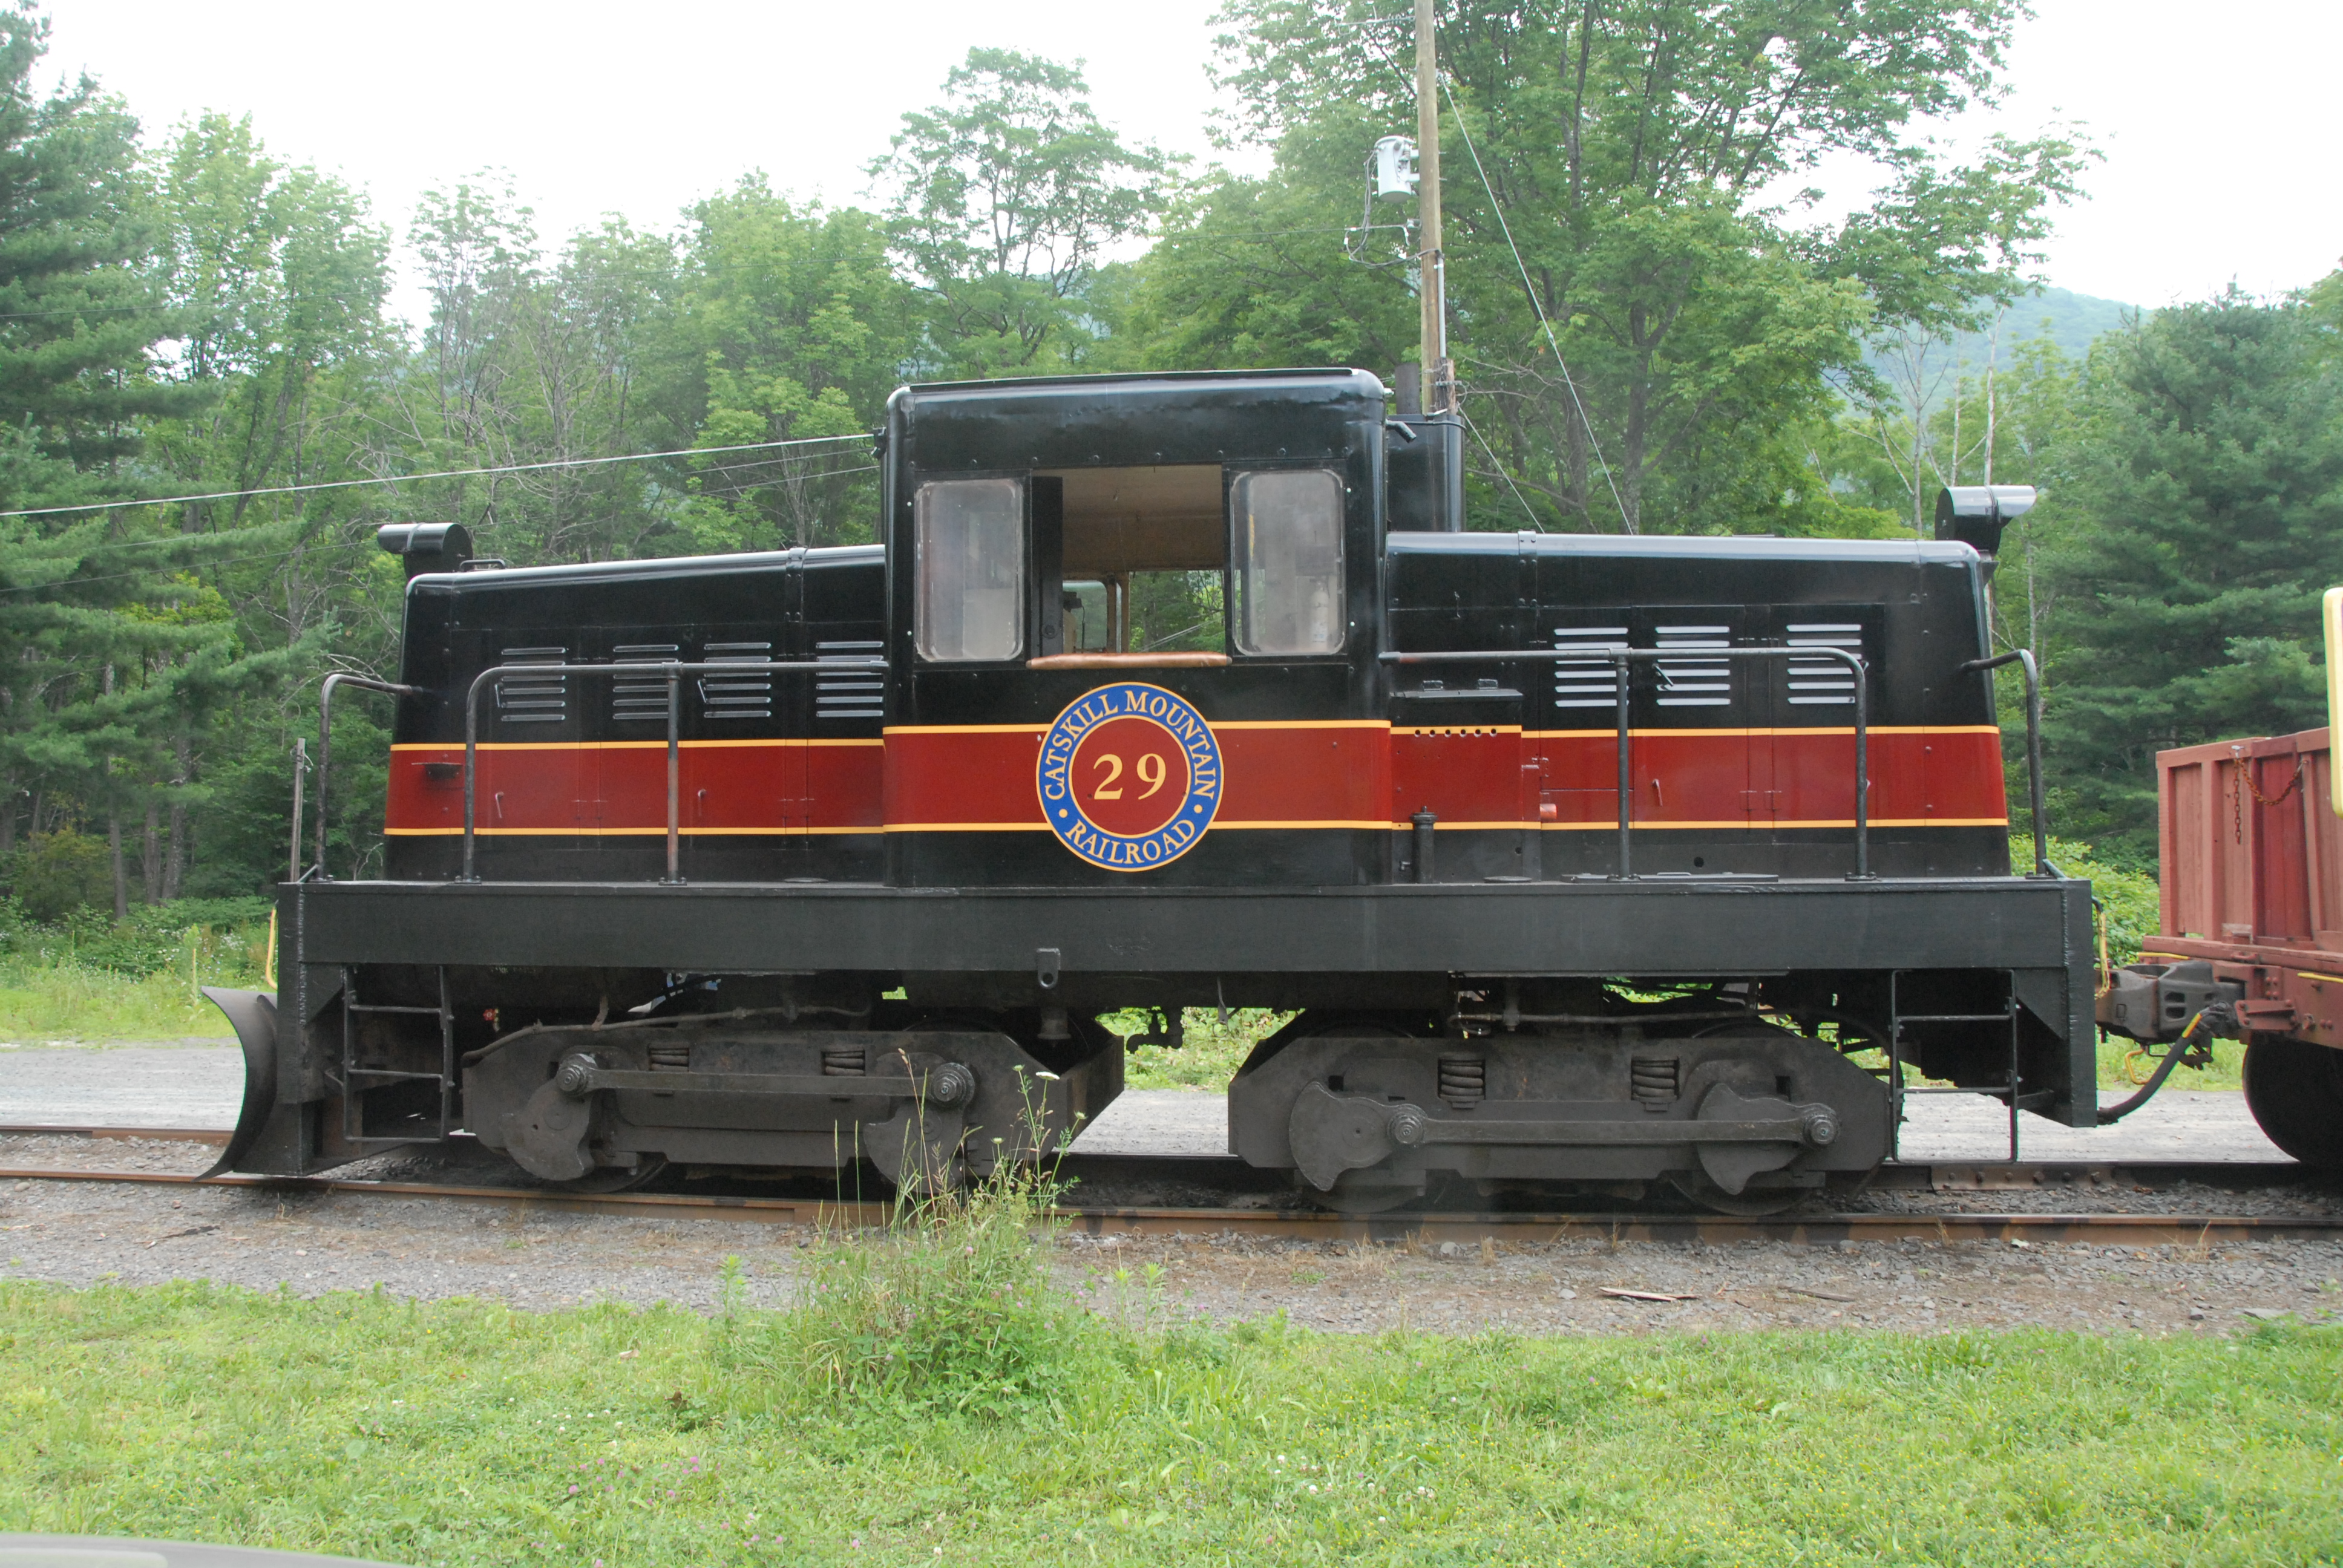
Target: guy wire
1554, 343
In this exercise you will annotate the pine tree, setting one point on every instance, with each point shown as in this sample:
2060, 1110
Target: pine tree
2203, 511
88, 602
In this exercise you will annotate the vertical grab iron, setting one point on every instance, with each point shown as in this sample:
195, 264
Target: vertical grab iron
2023, 660
326, 690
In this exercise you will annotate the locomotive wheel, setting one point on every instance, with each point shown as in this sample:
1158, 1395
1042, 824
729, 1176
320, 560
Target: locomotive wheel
1751, 1202
2295, 1090
1345, 1198
1363, 1200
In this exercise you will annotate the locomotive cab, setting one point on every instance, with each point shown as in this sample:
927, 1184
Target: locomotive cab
1147, 644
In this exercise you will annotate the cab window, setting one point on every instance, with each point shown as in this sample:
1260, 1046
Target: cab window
1145, 551
1287, 526
970, 541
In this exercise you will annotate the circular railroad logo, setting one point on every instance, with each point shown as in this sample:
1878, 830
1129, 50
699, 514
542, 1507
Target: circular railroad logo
1129, 777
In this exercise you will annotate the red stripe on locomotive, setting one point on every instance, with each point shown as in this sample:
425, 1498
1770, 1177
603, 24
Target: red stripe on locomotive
770, 787
1301, 776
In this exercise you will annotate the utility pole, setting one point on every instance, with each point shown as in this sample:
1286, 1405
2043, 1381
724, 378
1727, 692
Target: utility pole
1439, 374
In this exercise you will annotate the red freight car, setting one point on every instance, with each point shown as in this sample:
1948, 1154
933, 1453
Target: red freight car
2251, 941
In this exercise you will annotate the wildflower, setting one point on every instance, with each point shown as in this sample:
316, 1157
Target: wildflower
573, 1488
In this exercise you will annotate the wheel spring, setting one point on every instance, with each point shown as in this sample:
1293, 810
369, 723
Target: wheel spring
671, 1058
844, 1061
1656, 1080
1464, 1081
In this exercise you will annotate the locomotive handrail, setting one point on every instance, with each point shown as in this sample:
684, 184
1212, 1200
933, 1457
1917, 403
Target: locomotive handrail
1620, 658
2023, 660
674, 671
326, 690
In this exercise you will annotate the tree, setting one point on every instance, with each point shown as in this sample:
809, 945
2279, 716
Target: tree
2203, 516
792, 326
1004, 197
1635, 153
1259, 273
87, 596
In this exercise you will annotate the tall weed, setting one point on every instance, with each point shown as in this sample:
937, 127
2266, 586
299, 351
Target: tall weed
90, 978
953, 1307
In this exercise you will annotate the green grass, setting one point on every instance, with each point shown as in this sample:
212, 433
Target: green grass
2119, 1068
1210, 1052
93, 980
464, 1432
51, 996
65, 1002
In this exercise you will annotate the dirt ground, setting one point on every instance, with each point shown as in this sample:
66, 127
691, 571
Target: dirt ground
83, 1233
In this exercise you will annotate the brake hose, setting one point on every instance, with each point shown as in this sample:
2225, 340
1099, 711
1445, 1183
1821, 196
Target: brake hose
2111, 1114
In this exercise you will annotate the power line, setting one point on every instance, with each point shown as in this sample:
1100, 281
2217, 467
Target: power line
412, 479
165, 541
156, 305
266, 555
223, 561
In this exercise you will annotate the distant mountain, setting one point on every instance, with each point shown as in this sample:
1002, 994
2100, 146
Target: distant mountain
2069, 320
2072, 321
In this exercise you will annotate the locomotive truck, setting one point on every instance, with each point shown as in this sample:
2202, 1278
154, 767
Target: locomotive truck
1578, 861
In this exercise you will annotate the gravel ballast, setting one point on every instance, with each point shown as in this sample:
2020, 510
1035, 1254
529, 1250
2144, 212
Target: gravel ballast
85, 1233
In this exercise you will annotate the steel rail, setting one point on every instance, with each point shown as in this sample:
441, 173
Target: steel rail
1942, 1175
672, 671
1620, 658
1313, 1224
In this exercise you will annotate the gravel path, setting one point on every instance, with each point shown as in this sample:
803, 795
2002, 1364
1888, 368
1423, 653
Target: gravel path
189, 1083
83, 1233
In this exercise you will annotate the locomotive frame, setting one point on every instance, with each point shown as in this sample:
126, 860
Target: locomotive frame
1524, 945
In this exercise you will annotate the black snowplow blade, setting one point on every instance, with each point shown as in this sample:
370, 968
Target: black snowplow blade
254, 1014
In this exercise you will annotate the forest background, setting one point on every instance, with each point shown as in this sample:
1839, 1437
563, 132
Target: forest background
1654, 332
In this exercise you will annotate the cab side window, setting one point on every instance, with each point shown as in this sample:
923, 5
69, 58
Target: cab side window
1288, 530
969, 540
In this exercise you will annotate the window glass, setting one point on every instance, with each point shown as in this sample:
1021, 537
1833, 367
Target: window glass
1087, 605
970, 545
1289, 561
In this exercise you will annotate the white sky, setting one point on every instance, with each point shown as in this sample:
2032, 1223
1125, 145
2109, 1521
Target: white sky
2216, 121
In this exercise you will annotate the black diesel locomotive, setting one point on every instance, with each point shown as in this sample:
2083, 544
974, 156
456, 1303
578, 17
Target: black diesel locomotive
1578, 859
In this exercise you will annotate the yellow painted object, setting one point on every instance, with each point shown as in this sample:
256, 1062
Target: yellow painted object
271, 980
2331, 616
